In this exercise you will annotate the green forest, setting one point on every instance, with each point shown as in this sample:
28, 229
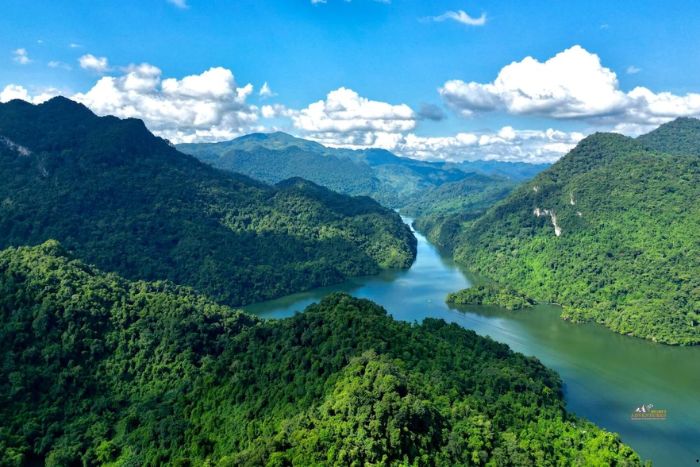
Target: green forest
491, 294
128, 202
611, 232
396, 182
105, 371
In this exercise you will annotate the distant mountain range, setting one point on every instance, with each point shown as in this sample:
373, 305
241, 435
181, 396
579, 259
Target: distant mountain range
611, 231
392, 180
121, 198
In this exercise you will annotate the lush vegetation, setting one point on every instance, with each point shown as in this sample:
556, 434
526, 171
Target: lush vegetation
394, 181
473, 194
100, 370
128, 202
491, 294
610, 232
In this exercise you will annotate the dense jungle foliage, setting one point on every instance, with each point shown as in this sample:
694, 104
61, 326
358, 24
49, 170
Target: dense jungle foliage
100, 370
628, 250
128, 202
491, 294
392, 180
473, 194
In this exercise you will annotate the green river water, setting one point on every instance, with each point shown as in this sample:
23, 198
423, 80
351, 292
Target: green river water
606, 375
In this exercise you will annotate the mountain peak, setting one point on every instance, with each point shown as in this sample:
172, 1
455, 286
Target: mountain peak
680, 136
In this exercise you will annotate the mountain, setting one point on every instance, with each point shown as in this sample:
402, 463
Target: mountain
515, 171
128, 202
392, 180
681, 136
611, 232
473, 194
270, 159
98, 370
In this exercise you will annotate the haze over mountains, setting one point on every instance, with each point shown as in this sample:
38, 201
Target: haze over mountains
611, 231
392, 180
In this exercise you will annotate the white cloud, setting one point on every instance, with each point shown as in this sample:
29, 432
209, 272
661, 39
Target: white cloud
96, 64
206, 107
633, 70
461, 16
571, 85
266, 91
182, 4
74, 45
507, 144
345, 118
21, 56
15, 91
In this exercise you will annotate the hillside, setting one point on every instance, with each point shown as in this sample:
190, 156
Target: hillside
611, 232
100, 370
128, 202
392, 180
466, 198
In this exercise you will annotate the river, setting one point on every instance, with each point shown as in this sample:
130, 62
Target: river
606, 375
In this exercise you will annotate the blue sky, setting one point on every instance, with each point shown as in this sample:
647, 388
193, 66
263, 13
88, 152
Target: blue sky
389, 60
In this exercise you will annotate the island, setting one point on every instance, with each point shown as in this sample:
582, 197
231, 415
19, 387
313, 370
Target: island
491, 294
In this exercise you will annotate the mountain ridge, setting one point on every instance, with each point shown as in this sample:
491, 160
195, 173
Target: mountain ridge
129, 202
608, 231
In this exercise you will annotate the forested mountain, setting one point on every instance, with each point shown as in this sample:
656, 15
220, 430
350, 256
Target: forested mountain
392, 180
127, 201
100, 370
611, 231
515, 171
471, 195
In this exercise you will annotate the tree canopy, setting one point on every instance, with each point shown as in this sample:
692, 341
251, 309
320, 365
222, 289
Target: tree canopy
97, 369
128, 202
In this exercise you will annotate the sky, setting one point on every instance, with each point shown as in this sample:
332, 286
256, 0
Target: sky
439, 80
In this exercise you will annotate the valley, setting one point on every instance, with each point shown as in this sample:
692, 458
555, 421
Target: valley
605, 375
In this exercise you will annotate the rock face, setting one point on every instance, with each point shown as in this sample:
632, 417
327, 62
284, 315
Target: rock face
21, 150
552, 215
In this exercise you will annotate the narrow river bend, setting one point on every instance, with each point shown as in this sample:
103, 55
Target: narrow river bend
606, 375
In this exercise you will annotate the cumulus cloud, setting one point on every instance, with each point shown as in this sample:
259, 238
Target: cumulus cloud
633, 70
348, 119
21, 56
461, 16
15, 91
571, 85
96, 64
507, 144
206, 107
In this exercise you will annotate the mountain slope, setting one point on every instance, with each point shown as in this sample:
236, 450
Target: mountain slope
100, 370
611, 231
390, 179
440, 211
128, 202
